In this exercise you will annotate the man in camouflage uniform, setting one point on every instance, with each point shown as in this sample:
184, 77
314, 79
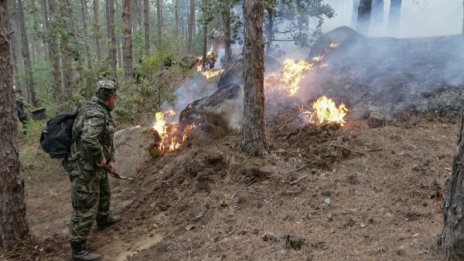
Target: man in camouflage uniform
21, 110
91, 157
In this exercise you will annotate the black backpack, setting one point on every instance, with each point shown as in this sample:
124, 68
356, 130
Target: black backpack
56, 137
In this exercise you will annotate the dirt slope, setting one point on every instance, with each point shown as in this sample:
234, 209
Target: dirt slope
322, 193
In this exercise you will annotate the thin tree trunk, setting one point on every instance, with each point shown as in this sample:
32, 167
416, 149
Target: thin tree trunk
226, 17
88, 55
452, 237
46, 18
13, 224
269, 29
205, 39
395, 15
146, 25
191, 27
15, 45
112, 44
26, 56
176, 17
463, 18
253, 141
126, 17
364, 16
66, 38
159, 14
55, 53
96, 28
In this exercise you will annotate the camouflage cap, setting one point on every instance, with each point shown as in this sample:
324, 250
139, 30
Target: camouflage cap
106, 84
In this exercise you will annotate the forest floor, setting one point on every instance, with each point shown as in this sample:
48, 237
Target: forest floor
323, 192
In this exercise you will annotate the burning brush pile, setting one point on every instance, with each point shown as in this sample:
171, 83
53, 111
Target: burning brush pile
221, 112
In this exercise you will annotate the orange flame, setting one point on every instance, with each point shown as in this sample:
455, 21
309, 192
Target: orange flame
326, 111
212, 73
170, 134
289, 78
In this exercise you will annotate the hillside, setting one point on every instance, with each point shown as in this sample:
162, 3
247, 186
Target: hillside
322, 193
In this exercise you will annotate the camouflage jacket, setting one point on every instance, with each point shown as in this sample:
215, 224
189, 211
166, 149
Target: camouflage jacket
93, 131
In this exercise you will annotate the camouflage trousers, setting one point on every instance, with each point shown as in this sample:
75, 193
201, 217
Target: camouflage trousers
90, 198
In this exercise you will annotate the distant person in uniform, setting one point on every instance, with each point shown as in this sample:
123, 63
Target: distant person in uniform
91, 158
21, 110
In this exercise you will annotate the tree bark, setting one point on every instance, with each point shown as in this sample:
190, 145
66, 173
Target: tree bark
364, 16
55, 55
394, 16
26, 56
126, 17
205, 40
112, 44
46, 19
96, 29
253, 141
159, 19
176, 17
88, 55
191, 27
146, 25
452, 237
13, 225
15, 45
226, 17
66, 46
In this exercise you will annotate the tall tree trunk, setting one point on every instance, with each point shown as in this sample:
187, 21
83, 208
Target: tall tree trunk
377, 12
159, 14
395, 15
364, 16
46, 19
269, 28
226, 17
146, 25
88, 55
13, 225
176, 17
96, 29
452, 236
463, 18
191, 27
205, 39
26, 55
253, 141
15, 45
112, 44
126, 17
66, 42
55, 52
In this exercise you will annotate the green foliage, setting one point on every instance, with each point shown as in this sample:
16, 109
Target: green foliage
302, 19
34, 162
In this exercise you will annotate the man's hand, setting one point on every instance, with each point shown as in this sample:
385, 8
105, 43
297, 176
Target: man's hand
111, 167
102, 163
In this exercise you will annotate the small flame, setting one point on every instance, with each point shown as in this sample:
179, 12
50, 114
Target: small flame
326, 111
289, 78
318, 58
212, 73
333, 45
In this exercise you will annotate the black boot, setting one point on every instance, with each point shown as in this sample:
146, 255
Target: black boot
107, 221
80, 253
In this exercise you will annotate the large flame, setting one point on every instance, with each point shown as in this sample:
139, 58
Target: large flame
170, 134
288, 81
211, 73
326, 111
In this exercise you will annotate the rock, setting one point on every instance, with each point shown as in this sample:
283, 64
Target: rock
294, 242
132, 146
270, 237
376, 120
